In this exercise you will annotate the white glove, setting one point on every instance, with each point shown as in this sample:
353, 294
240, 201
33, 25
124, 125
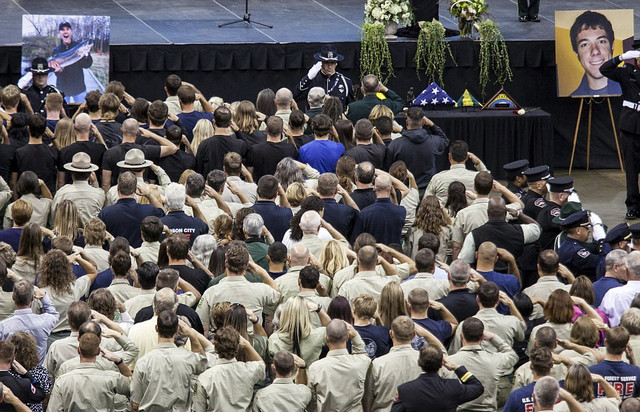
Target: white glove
573, 197
631, 54
597, 231
25, 80
314, 70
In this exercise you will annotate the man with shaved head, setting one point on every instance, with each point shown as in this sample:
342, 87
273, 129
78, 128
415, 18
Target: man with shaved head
505, 235
283, 101
383, 220
338, 380
367, 279
486, 258
299, 257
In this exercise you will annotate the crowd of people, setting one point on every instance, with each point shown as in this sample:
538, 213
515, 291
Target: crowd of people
194, 254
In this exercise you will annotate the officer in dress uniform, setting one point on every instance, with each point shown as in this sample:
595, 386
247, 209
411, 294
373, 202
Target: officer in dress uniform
573, 252
534, 200
635, 237
516, 180
617, 238
323, 74
560, 188
38, 91
629, 78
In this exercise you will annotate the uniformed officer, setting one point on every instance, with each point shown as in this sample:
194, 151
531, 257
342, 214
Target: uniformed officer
283, 394
635, 236
38, 91
516, 179
617, 238
566, 210
559, 190
323, 74
534, 200
573, 253
629, 78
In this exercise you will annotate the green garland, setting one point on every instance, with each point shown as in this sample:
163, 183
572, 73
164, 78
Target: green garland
374, 52
494, 55
432, 51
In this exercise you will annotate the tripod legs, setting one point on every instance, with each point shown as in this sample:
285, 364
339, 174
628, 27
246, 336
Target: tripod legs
246, 18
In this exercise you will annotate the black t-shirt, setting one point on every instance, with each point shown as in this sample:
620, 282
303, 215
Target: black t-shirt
303, 139
264, 157
41, 160
377, 341
363, 197
177, 163
111, 133
94, 150
196, 277
211, 152
116, 154
250, 139
183, 310
373, 153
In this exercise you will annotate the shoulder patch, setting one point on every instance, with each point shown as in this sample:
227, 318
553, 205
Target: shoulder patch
583, 253
540, 202
555, 211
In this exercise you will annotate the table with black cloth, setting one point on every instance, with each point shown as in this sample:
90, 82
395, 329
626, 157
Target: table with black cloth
498, 137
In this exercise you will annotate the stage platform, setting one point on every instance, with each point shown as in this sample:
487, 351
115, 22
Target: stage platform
153, 39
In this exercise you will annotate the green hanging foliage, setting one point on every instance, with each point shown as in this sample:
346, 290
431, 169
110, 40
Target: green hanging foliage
494, 55
432, 52
375, 57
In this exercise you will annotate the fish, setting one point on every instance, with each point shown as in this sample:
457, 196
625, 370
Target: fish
72, 55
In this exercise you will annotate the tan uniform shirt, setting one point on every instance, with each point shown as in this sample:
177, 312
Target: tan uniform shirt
350, 271
323, 301
542, 289
437, 288
227, 386
87, 388
524, 375
445, 242
247, 189
388, 372
595, 405
88, 199
634, 342
310, 347
237, 289
79, 288
337, 381
5, 192
507, 327
563, 331
282, 395
488, 368
145, 298
41, 210
99, 256
209, 209
7, 307
145, 337
162, 378
365, 282
149, 251
122, 290
288, 283
439, 184
173, 103
473, 216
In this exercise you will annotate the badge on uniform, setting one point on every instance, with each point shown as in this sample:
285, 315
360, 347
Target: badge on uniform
555, 211
583, 253
540, 202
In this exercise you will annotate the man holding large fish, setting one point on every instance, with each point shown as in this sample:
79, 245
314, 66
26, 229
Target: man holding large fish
67, 61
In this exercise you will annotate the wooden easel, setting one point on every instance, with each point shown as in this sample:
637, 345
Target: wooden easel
590, 101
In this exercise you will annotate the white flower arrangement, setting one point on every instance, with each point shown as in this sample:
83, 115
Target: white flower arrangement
386, 11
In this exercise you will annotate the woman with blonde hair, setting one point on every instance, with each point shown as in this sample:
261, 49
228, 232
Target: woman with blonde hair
62, 286
583, 333
202, 131
68, 223
296, 193
295, 333
379, 111
432, 218
30, 252
579, 383
64, 134
246, 119
333, 258
392, 303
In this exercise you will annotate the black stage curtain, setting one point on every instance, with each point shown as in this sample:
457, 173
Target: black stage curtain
240, 71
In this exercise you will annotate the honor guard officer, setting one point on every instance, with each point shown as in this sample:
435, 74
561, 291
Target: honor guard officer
617, 238
629, 78
516, 180
560, 188
323, 74
534, 200
38, 91
635, 236
573, 252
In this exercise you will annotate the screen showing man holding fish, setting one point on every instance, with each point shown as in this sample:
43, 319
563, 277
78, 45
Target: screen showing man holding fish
68, 59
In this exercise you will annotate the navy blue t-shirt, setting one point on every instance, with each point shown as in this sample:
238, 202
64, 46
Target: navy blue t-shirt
441, 329
520, 400
507, 283
377, 341
189, 121
12, 237
180, 222
624, 378
602, 286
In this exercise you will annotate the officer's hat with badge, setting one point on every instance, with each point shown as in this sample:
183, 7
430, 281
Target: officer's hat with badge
538, 173
578, 219
328, 53
40, 65
516, 168
619, 233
